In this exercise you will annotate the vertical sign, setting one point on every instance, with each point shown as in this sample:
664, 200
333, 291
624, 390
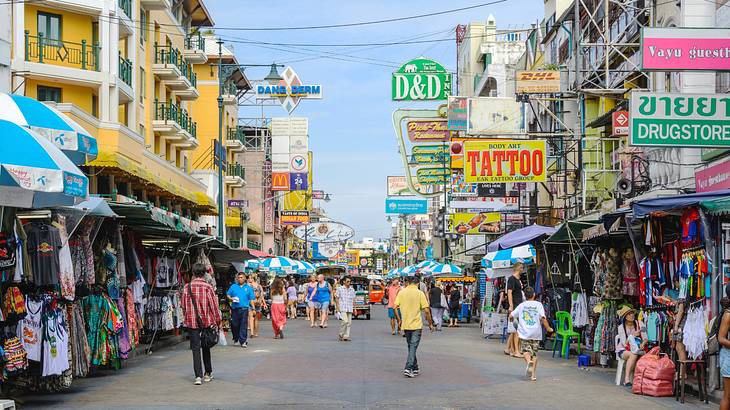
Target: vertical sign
458, 113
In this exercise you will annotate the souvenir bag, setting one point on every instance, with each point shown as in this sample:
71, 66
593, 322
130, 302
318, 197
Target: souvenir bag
654, 375
208, 335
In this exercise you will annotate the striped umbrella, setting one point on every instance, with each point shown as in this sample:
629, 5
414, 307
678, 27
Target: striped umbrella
425, 263
393, 273
62, 131
36, 174
409, 270
302, 267
505, 258
444, 269
279, 264
309, 266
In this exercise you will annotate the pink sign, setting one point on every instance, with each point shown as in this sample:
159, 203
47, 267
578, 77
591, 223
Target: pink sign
685, 49
713, 178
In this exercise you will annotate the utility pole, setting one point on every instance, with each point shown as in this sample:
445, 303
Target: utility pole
221, 227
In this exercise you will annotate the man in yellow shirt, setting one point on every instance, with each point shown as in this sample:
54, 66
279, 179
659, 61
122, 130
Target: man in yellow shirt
409, 304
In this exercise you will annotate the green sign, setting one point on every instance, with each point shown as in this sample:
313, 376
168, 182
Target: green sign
421, 79
679, 120
429, 154
433, 176
431, 149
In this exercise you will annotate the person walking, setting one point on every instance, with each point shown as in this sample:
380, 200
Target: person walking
344, 303
241, 297
311, 310
530, 315
409, 304
514, 298
291, 300
454, 307
393, 290
437, 310
278, 308
259, 304
200, 311
321, 296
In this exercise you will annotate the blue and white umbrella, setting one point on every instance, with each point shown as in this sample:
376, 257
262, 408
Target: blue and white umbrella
426, 263
48, 122
409, 270
303, 267
309, 266
36, 174
393, 273
505, 258
444, 269
279, 264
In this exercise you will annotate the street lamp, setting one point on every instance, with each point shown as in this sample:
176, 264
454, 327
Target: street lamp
273, 77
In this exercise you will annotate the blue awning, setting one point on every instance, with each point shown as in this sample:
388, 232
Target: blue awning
667, 203
520, 237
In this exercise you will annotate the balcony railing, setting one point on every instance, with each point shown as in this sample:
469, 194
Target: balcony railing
229, 88
78, 55
253, 245
194, 41
165, 54
233, 134
125, 70
236, 170
173, 112
126, 6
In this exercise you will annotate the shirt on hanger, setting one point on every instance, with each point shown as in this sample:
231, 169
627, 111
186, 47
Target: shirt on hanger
44, 242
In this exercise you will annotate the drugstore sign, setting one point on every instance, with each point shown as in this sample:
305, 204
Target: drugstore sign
505, 161
679, 120
421, 79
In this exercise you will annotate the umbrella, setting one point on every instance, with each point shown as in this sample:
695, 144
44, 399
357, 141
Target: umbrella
309, 266
409, 270
279, 264
506, 258
425, 263
444, 269
393, 273
95, 206
252, 264
36, 174
302, 267
65, 133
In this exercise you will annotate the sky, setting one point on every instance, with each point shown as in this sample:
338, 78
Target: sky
350, 130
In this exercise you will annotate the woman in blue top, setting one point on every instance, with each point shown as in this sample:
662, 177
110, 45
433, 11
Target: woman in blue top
311, 310
321, 298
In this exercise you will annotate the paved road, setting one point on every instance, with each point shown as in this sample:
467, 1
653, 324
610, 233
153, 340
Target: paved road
311, 369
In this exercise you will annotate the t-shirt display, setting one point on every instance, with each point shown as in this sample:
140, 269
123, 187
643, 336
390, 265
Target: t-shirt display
529, 315
30, 330
44, 242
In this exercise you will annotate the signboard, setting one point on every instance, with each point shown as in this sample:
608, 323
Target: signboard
327, 250
459, 187
294, 217
397, 186
486, 204
494, 116
476, 245
537, 82
299, 163
620, 123
713, 178
679, 120
429, 154
457, 113
299, 144
353, 258
318, 194
421, 79
491, 190
298, 181
505, 161
280, 181
433, 176
406, 206
324, 232
477, 223
238, 203
289, 91
427, 130
379, 264
672, 49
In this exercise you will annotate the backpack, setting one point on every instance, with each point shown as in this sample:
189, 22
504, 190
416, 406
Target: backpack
713, 345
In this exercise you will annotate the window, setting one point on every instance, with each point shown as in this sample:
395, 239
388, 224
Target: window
142, 26
50, 26
49, 94
143, 131
95, 105
142, 86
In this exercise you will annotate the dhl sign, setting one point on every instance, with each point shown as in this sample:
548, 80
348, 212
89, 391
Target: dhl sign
280, 181
538, 82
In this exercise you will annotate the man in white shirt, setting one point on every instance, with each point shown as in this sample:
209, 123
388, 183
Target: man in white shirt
530, 315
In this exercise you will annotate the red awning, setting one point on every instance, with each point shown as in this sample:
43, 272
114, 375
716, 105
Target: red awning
258, 254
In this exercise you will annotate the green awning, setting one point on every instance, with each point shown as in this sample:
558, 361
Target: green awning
570, 231
717, 206
151, 221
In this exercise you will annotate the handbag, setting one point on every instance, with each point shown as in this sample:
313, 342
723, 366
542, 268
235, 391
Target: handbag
208, 335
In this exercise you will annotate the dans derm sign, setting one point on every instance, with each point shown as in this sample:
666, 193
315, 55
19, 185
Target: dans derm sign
289, 91
421, 79
685, 49
505, 160
680, 120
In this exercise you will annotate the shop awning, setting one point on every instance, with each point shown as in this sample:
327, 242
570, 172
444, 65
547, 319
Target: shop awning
600, 230
223, 258
643, 208
95, 206
153, 221
569, 232
717, 206
520, 237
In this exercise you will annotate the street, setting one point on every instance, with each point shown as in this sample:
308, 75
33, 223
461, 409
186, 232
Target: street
311, 369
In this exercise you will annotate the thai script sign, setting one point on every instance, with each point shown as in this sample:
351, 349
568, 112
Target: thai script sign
680, 120
421, 79
466, 223
505, 161
406, 206
538, 82
685, 49
458, 113
422, 131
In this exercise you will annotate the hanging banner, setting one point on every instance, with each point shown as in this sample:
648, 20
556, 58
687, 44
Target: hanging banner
537, 82
467, 223
680, 120
494, 116
505, 161
458, 113
671, 49
427, 131
294, 217
325, 232
421, 79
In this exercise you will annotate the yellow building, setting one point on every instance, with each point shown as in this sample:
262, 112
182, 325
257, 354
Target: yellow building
123, 70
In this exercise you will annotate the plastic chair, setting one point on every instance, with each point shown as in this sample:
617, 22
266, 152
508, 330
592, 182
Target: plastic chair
564, 333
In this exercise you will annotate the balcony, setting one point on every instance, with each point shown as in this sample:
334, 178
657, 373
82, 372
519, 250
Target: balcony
170, 66
155, 4
173, 122
195, 49
229, 93
39, 49
125, 70
234, 141
235, 175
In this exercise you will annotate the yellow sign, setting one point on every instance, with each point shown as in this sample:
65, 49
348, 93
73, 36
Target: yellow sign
538, 82
505, 161
402, 249
353, 258
481, 223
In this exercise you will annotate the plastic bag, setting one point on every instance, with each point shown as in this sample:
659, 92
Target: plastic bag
222, 338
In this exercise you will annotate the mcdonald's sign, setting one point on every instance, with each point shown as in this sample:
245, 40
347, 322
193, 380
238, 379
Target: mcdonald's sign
279, 181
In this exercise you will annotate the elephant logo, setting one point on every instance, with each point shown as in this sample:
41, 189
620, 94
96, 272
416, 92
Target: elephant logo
410, 68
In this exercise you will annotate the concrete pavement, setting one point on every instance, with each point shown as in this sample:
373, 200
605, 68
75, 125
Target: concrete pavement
311, 369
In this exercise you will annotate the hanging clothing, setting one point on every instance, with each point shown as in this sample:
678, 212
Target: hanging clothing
44, 242
694, 335
30, 329
78, 343
630, 274
613, 286
55, 343
579, 310
65, 262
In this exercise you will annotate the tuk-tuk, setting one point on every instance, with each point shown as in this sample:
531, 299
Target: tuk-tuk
362, 297
377, 293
